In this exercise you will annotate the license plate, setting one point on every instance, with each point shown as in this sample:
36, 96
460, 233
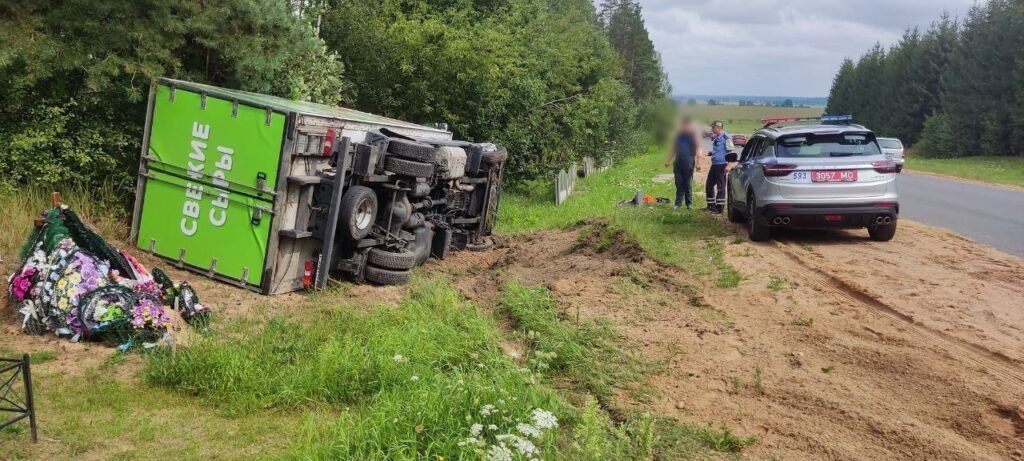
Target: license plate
834, 176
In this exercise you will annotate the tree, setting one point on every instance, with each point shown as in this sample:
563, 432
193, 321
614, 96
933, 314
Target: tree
75, 84
641, 62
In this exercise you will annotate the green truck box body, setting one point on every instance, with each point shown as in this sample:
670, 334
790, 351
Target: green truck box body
221, 188
207, 160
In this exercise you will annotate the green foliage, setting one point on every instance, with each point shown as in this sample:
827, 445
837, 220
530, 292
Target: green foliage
76, 73
957, 88
939, 138
342, 356
538, 76
585, 353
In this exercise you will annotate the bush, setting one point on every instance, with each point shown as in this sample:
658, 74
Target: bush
939, 138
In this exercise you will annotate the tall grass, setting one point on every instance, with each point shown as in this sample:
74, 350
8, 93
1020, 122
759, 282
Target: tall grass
412, 380
587, 352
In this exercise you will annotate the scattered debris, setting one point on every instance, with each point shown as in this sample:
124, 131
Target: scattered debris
75, 284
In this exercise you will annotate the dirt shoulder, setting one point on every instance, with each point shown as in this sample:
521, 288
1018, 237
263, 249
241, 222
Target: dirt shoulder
833, 346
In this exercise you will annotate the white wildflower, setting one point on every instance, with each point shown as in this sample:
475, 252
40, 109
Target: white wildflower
398, 358
524, 446
476, 429
544, 419
528, 430
487, 410
414, 378
492, 427
499, 453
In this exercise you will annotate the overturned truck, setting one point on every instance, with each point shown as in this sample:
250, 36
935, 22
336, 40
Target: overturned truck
277, 195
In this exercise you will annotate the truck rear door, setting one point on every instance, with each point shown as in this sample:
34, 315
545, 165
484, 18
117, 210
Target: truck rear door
209, 175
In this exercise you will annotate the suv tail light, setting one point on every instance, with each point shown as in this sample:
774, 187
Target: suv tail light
773, 171
884, 167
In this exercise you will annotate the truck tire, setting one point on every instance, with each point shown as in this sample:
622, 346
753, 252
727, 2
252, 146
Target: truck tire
408, 168
357, 213
411, 150
382, 258
386, 276
882, 233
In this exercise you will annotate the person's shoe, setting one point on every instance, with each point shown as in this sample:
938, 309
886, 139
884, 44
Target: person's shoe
689, 207
677, 207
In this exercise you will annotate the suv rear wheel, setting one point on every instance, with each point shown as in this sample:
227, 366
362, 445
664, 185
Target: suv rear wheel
757, 231
882, 233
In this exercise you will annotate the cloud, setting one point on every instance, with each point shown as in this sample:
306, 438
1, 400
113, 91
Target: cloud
772, 47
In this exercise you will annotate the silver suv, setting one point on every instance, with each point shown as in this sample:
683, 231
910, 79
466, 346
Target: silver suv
814, 177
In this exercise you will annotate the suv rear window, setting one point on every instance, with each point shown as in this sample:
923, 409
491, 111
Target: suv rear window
830, 145
890, 143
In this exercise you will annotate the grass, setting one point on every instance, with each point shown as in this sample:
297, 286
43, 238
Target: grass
687, 239
35, 357
587, 354
992, 169
777, 283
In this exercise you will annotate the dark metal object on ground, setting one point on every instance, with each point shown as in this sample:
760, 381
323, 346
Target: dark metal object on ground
10, 370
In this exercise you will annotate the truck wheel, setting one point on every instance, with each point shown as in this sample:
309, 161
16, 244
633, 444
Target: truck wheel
408, 167
411, 150
756, 231
882, 233
386, 276
358, 212
401, 260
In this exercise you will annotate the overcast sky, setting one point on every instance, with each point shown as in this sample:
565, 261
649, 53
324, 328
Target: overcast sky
775, 47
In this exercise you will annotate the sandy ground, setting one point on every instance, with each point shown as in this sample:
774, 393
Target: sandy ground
861, 350
910, 349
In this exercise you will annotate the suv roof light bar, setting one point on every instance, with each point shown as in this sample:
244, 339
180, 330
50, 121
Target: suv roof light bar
825, 119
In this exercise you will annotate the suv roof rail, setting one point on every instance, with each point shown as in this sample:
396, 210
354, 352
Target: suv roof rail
824, 119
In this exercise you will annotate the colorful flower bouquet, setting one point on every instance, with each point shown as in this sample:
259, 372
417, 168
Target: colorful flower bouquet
73, 283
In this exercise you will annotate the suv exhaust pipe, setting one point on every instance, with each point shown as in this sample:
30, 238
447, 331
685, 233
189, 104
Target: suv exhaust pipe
883, 220
777, 220
786, 220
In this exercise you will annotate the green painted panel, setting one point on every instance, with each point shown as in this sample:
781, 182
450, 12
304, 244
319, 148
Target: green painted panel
202, 194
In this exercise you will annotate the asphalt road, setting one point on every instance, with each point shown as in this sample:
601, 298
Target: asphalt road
991, 215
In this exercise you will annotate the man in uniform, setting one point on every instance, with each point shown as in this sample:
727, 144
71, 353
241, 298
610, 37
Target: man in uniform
721, 144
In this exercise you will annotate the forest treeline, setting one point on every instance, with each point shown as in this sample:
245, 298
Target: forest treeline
554, 80
953, 90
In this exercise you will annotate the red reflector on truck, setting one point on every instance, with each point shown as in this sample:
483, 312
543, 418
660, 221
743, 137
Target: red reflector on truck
833, 217
307, 274
329, 142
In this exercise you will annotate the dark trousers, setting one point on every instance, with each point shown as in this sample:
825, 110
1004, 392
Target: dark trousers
684, 183
715, 188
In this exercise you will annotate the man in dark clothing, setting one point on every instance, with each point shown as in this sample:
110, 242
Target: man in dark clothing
714, 190
683, 155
